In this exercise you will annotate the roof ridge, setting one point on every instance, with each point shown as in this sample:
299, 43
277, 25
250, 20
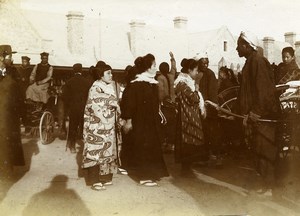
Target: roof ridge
210, 30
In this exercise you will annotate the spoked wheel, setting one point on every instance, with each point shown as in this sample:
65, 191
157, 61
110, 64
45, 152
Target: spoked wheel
228, 99
229, 104
228, 94
47, 126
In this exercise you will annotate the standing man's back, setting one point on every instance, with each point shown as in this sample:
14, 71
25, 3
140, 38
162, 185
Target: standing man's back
75, 95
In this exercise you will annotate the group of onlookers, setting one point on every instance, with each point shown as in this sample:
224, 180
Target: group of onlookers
156, 111
128, 130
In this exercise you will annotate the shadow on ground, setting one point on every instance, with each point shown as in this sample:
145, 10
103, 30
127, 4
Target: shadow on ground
30, 148
56, 200
209, 188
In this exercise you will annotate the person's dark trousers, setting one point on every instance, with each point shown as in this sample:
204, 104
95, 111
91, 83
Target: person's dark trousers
61, 119
75, 122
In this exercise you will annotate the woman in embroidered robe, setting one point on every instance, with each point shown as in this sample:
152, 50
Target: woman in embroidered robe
189, 142
143, 118
101, 141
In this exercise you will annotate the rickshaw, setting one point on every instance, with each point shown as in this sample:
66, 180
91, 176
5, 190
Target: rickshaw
288, 137
45, 120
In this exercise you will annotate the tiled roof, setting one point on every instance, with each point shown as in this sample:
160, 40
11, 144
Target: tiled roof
41, 31
52, 28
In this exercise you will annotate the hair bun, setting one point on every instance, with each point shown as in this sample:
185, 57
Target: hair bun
183, 62
138, 62
188, 64
100, 64
144, 63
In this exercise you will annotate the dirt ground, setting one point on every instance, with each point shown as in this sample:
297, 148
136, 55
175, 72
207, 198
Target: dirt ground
50, 185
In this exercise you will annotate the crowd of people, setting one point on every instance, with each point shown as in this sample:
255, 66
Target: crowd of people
128, 130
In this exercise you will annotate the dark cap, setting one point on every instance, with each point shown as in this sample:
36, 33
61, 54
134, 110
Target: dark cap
6, 50
44, 54
77, 67
25, 58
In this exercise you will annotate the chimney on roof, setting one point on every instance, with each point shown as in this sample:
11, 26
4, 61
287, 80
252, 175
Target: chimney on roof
290, 37
268, 48
75, 32
297, 52
180, 23
137, 37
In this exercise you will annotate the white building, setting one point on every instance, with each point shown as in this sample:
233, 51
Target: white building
74, 37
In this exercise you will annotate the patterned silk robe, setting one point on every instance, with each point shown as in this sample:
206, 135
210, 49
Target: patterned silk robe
101, 141
189, 142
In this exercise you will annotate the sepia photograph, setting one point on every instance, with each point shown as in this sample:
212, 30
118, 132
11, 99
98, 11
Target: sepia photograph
149, 108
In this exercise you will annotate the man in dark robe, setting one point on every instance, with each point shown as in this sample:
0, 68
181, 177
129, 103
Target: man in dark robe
75, 94
257, 99
24, 72
288, 70
208, 86
11, 150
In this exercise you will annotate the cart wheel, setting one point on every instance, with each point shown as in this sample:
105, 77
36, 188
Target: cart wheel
47, 128
229, 104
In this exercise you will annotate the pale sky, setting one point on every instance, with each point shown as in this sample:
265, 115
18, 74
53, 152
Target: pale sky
262, 17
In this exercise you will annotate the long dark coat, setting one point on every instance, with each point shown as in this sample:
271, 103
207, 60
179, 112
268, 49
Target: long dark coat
258, 95
143, 109
75, 93
257, 90
208, 86
11, 150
